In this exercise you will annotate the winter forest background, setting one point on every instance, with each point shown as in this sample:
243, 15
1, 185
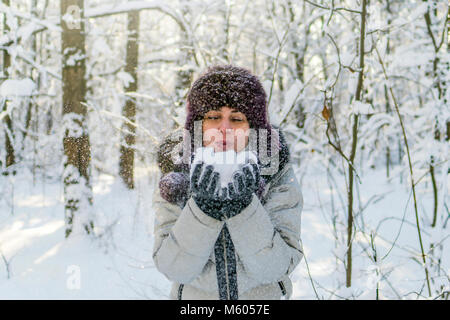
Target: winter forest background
88, 89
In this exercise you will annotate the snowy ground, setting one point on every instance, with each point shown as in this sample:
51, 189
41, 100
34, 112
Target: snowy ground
37, 262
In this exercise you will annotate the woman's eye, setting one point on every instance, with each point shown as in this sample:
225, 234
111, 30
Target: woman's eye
237, 119
212, 117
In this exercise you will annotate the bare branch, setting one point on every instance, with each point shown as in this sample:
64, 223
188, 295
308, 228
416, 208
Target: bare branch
410, 169
334, 9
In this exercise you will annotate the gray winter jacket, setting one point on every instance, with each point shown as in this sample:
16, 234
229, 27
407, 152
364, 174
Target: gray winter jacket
266, 241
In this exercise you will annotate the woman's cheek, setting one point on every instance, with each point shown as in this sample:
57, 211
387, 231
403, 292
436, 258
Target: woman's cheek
211, 137
240, 139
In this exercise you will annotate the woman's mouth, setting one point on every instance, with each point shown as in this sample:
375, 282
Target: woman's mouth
223, 145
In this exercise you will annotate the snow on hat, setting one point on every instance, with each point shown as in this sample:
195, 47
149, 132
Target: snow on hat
227, 85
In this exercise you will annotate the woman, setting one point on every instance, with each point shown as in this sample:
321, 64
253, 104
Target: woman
237, 242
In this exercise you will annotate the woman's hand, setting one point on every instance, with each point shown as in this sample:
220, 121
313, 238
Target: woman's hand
203, 190
240, 191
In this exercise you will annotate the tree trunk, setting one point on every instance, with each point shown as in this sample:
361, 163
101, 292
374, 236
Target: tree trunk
386, 93
9, 133
76, 175
299, 58
440, 85
185, 73
126, 163
31, 103
353, 151
226, 13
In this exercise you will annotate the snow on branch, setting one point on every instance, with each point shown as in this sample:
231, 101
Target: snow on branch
34, 26
17, 88
112, 9
73, 124
107, 10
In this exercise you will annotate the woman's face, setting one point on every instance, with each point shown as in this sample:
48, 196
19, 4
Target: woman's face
225, 129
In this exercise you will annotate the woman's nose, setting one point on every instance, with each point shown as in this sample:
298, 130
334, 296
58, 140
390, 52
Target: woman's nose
224, 126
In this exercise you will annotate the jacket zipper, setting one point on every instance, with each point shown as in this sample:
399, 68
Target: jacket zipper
283, 289
226, 274
180, 291
226, 265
